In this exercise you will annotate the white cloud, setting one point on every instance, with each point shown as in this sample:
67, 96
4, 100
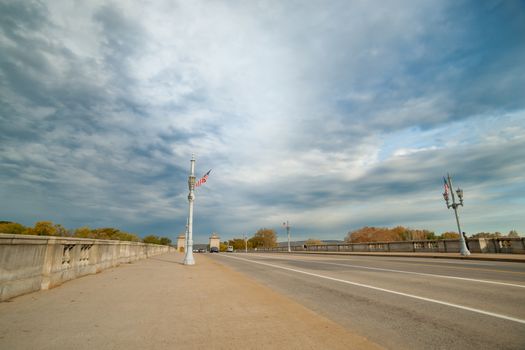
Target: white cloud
297, 108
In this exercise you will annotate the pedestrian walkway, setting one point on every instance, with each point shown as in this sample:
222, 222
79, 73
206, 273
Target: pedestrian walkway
159, 303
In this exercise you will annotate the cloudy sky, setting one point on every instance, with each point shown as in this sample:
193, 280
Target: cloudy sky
330, 114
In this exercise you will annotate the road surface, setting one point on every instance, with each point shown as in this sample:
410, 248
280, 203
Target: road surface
402, 303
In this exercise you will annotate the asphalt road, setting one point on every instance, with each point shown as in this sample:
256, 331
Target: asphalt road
402, 303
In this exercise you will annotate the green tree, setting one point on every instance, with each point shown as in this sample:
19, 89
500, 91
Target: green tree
165, 241
151, 239
430, 235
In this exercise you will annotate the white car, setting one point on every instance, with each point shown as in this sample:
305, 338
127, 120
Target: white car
229, 249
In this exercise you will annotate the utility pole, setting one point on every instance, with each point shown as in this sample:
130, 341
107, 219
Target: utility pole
448, 185
245, 243
188, 258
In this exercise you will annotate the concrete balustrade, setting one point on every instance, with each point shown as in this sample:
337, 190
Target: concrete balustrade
31, 263
476, 245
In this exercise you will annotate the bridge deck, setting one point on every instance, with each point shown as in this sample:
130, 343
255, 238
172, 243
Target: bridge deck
159, 303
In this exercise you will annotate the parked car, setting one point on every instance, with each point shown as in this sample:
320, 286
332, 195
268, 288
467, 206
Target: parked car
202, 250
229, 249
214, 250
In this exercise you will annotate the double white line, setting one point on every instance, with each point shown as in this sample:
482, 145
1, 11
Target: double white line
435, 301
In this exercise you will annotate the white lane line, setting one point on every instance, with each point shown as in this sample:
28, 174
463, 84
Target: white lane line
488, 313
466, 262
405, 272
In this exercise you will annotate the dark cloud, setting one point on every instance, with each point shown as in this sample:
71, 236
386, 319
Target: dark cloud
332, 116
19, 18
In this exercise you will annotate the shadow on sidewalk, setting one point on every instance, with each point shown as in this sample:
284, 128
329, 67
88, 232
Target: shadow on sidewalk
166, 260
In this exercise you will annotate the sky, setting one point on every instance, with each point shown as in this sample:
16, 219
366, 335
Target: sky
332, 115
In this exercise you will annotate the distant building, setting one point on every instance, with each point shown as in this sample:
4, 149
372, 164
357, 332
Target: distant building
181, 242
215, 240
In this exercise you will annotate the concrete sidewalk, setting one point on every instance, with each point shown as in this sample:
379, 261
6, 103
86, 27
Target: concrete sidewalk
160, 304
473, 256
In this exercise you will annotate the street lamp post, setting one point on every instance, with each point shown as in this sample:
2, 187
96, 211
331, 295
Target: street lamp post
448, 185
245, 243
186, 236
287, 225
188, 257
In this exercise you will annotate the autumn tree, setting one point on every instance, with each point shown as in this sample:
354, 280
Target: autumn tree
113, 234
83, 232
265, 238
374, 234
12, 227
48, 228
238, 243
62, 231
429, 235
449, 235
43, 228
312, 241
256, 242
383, 234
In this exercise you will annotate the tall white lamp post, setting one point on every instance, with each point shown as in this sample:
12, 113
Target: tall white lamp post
463, 250
287, 225
188, 257
186, 236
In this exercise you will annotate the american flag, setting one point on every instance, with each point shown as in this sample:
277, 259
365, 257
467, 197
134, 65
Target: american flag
446, 185
203, 179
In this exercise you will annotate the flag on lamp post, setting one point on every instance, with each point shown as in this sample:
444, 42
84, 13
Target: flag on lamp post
203, 179
446, 186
